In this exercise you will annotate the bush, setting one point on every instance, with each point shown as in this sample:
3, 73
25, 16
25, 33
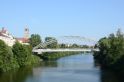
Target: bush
111, 54
7, 62
18, 56
23, 54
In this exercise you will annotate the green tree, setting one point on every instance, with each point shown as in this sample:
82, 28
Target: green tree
75, 46
111, 52
21, 54
52, 42
7, 62
63, 46
35, 39
119, 33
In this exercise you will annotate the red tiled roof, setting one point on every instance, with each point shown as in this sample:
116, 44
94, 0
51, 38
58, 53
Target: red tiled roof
24, 40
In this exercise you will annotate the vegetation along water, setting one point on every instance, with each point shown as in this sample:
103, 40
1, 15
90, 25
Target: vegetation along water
19, 55
18, 64
74, 68
111, 55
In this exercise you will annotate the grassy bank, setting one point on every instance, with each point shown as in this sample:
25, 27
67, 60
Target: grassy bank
56, 55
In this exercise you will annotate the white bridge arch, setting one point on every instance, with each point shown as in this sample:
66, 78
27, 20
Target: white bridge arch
41, 47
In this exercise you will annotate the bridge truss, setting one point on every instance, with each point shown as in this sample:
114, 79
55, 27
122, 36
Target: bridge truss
41, 47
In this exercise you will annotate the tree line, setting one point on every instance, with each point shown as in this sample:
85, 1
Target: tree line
20, 55
111, 54
16, 56
36, 39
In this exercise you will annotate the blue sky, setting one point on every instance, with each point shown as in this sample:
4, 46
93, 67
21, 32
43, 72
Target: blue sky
89, 18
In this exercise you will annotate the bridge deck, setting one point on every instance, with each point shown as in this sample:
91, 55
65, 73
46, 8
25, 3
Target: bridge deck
63, 50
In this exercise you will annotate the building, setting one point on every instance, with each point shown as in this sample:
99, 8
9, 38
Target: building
25, 39
7, 37
26, 33
10, 40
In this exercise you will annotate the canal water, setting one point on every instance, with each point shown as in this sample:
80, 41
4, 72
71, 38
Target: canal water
75, 68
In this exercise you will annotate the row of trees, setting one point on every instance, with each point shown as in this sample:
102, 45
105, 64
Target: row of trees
21, 55
17, 56
36, 39
111, 53
53, 43
74, 46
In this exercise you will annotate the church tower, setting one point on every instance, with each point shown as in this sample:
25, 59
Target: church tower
26, 33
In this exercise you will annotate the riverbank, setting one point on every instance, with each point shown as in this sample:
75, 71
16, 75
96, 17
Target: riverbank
111, 54
18, 56
74, 68
56, 55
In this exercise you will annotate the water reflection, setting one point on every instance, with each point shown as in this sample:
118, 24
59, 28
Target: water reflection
109, 76
49, 64
76, 68
17, 75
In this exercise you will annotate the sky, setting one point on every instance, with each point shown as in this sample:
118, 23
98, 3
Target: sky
88, 18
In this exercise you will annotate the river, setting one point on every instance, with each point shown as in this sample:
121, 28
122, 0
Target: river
75, 68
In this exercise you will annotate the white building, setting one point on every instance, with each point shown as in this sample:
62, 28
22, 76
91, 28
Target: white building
10, 40
7, 37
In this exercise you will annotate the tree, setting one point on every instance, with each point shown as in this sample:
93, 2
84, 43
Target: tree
21, 54
63, 46
85, 46
35, 40
7, 61
75, 46
119, 33
111, 52
53, 43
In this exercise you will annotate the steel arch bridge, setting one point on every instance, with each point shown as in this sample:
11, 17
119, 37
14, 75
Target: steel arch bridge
41, 47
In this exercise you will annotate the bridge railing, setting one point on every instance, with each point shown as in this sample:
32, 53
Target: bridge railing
40, 51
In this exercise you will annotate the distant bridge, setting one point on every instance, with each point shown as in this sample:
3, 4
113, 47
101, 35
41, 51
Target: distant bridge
41, 47
40, 51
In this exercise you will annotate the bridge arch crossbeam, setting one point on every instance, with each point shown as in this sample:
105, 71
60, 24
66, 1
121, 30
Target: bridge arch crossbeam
79, 38
43, 45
